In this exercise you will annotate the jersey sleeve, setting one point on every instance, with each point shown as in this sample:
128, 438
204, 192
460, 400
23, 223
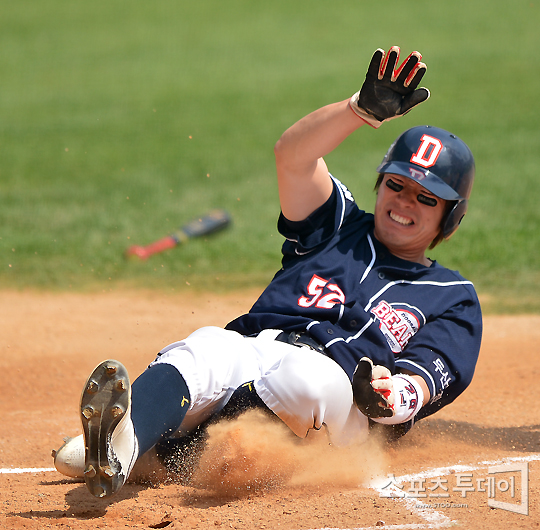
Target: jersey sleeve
444, 352
301, 237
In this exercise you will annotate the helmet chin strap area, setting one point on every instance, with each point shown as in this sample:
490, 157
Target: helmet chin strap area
454, 218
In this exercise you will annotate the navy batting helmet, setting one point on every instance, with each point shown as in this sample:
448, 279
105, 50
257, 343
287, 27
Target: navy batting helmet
440, 162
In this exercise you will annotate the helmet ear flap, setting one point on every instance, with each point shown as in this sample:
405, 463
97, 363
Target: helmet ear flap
454, 217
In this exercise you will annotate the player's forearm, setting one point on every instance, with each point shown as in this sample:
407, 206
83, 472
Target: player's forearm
314, 136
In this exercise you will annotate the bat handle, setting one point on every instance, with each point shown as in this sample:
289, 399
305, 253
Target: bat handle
159, 246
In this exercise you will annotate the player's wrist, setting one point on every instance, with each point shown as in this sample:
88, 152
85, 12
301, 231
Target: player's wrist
361, 113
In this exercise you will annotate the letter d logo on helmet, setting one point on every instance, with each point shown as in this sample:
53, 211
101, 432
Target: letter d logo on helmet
439, 161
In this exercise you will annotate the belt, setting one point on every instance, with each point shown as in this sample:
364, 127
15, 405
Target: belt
300, 339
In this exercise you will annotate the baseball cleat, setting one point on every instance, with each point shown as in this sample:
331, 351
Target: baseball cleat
111, 447
69, 459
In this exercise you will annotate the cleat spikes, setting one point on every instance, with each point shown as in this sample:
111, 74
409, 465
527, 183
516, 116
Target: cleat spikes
116, 411
107, 471
121, 385
99, 492
92, 387
90, 471
110, 369
88, 412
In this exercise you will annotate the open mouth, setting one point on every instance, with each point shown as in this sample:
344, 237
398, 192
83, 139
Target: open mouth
405, 221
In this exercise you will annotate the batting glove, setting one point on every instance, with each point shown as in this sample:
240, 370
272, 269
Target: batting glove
374, 401
388, 93
383, 397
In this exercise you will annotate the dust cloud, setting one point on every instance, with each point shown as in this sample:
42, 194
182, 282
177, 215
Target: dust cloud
256, 452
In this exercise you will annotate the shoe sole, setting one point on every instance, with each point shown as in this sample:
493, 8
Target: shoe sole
104, 402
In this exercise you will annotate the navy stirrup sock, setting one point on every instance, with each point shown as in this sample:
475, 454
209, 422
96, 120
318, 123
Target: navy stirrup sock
244, 397
159, 401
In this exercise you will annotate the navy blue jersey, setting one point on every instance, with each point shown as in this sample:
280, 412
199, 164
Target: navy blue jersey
352, 295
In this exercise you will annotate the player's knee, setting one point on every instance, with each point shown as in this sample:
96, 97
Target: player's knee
305, 389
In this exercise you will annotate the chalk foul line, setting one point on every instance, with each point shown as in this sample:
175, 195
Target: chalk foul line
22, 470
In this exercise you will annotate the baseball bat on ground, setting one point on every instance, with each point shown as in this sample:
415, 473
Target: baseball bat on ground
213, 221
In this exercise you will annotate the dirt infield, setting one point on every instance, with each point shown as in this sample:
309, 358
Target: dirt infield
254, 475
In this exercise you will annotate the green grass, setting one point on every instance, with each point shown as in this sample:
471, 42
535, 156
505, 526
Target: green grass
120, 121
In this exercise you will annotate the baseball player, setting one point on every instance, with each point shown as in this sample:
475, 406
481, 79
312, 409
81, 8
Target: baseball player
359, 328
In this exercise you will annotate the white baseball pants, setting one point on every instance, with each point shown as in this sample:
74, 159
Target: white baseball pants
304, 388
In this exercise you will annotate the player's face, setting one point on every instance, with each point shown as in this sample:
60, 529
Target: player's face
407, 217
